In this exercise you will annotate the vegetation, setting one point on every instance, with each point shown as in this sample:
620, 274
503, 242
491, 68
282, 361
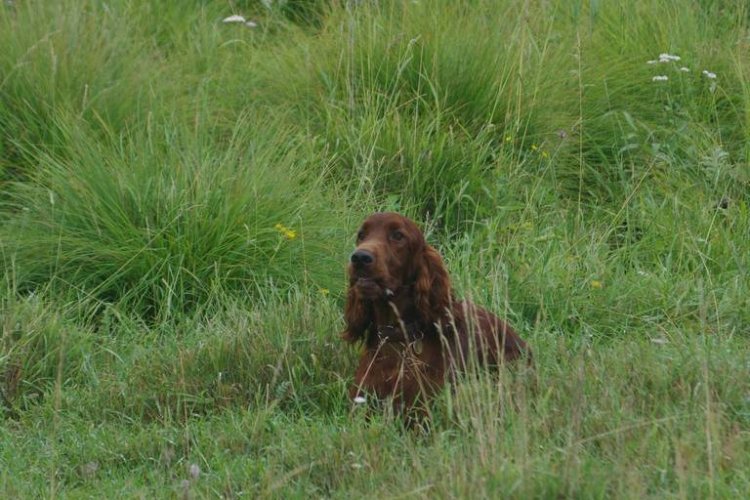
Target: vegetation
178, 196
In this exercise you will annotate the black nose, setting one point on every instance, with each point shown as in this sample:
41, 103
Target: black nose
362, 258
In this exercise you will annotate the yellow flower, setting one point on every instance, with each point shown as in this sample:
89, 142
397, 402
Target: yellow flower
287, 233
508, 138
324, 291
545, 154
534, 147
596, 284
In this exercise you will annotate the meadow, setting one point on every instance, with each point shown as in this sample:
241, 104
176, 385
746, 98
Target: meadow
179, 197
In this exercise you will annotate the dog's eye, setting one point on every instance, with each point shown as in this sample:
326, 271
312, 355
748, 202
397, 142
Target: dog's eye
397, 236
360, 235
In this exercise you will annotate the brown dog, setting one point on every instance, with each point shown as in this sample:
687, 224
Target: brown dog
401, 306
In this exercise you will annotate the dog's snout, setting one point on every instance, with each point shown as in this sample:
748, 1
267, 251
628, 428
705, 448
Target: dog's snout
361, 258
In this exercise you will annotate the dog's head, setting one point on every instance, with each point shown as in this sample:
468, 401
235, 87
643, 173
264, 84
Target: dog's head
392, 258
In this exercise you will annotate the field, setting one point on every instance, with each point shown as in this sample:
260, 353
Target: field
179, 197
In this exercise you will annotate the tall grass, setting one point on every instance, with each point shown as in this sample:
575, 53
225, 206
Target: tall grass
167, 218
74, 58
177, 196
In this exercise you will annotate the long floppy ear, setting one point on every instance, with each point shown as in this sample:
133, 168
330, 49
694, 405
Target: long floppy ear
357, 315
432, 287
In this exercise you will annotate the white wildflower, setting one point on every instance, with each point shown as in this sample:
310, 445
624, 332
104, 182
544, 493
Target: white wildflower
685, 69
360, 400
709, 74
194, 471
251, 24
652, 61
660, 78
233, 19
665, 58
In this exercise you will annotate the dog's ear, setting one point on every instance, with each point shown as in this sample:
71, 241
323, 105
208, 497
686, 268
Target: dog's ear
357, 316
432, 287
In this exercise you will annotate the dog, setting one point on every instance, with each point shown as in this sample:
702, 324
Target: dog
415, 333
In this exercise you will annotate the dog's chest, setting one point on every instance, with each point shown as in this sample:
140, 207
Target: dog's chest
402, 370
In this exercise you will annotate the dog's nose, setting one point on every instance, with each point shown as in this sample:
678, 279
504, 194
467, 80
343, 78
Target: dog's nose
361, 258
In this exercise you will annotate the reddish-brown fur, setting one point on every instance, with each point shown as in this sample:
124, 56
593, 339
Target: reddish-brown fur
401, 307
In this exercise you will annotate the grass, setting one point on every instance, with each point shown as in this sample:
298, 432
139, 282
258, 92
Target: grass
177, 197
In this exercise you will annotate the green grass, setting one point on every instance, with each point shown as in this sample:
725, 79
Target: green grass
178, 195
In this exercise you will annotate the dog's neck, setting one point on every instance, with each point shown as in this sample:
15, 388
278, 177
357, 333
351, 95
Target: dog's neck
395, 317
393, 310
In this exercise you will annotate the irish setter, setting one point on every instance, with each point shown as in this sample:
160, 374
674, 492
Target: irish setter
415, 333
